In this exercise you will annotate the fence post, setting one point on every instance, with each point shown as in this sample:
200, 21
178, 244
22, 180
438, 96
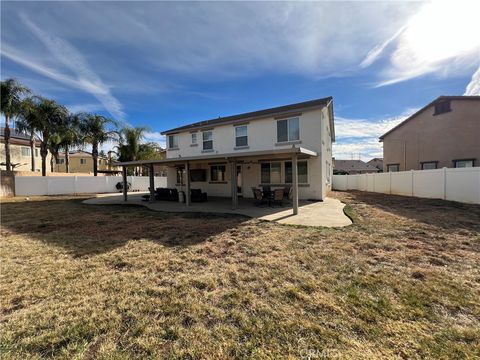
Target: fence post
412, 180
444, 183
390, 181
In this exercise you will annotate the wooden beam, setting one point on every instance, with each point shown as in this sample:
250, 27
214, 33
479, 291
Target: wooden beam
295, 184
187, 184
124, 176
151, 174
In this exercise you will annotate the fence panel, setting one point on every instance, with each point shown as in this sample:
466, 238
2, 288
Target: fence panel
461, 184
69, 185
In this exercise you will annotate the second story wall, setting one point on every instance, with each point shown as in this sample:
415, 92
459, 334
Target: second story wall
260, 135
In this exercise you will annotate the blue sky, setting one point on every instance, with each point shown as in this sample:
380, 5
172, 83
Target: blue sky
164, 64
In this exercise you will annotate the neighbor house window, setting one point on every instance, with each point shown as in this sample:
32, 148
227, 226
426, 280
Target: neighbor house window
173, 141
288, 130
464, 163
442, 107
271, 173
83, 161
207, 137
429, 165
25, 151
393, 167
217, 173
36, 152
194, 138
180, 176
302, 172
60, 161
241, 137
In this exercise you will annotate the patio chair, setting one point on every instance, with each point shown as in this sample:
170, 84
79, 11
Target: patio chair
277, 197
287, 192
259, 199
196, 195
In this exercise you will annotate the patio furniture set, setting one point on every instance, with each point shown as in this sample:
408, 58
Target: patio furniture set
269, 197
167, 194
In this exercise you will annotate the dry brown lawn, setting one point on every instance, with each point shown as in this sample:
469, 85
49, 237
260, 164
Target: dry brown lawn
112, 282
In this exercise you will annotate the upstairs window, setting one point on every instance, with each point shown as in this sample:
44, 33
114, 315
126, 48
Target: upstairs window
442, 107
288, 130
173, 141
207, 140
463, 163
60, 161
429, 165
25, 151
83, 161
217, 173
393, 167
241, 137
194, 138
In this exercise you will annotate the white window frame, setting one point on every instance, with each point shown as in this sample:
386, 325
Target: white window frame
391, 165
204, 133
289, 120
270, 172
242, 136
300, 178
194, 138
26, 150
464, 161
172, 139
83, 161
426, 165
224, 173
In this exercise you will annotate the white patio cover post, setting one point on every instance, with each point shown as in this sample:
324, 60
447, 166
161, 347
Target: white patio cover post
233, 177
295, 184
152, 182
124, 176
187, 184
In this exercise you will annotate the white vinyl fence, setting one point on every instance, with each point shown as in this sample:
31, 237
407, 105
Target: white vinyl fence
70, 185
460, 184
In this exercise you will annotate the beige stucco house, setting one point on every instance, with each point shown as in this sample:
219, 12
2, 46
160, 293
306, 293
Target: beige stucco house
82, 162
20, 152
286, 146
444, 133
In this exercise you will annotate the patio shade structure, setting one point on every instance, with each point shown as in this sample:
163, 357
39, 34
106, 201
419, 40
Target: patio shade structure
292, 153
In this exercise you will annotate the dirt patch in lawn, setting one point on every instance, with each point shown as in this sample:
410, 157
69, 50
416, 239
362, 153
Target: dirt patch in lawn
124, 282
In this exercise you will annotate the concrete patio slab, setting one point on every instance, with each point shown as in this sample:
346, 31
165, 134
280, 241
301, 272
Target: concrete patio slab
328, 213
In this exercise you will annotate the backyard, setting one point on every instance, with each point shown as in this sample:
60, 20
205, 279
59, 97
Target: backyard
125, 282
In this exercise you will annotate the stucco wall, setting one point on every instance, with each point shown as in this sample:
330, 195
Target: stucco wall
445, 137
25, 161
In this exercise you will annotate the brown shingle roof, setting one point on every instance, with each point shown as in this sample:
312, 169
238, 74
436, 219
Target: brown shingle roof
352, 165
253, 115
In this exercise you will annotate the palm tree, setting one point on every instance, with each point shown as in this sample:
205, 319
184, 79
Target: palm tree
28, 122
130, 146
50, 116
71, 137
11, 94
54, 144
94, 131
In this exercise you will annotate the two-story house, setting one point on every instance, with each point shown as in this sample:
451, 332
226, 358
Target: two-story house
289, 145
444, 133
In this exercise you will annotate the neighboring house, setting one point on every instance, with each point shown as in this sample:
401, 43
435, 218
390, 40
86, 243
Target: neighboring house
376, 162
82, 162
352, 167
20, 152
262, 144
444, 133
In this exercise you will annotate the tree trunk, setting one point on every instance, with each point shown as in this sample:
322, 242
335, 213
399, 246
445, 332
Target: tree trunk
32, 149
44, 153
95, 158
67, 160
51, 163
6, 135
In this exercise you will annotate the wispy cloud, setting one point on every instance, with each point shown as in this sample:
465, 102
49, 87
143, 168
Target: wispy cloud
359, 137
442, 38
473, 87
70, 58
156, 137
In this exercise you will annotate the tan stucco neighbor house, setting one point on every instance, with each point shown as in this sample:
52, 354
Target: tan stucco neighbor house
286, 146
81, 161
444, 133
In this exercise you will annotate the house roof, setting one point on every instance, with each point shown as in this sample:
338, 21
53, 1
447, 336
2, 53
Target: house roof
292, 150
18, 138
256, 115
439, 99
353, 165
